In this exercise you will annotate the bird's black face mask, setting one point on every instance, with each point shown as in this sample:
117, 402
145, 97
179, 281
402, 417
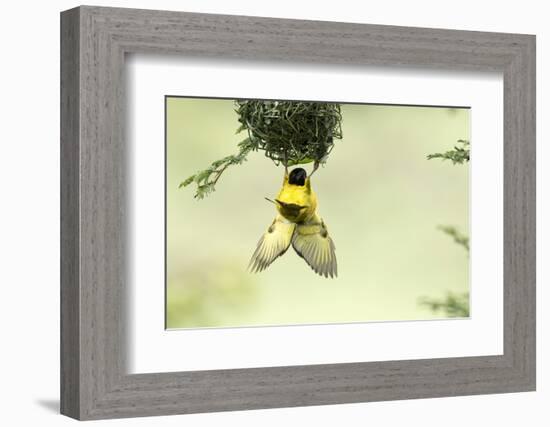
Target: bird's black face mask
297, 177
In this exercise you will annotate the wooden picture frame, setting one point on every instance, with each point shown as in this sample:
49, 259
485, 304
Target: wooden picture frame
94, 381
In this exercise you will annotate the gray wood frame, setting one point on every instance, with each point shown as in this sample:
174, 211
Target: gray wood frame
94, 382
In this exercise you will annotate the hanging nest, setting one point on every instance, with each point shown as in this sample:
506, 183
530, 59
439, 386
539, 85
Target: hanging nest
288, 132
291, 132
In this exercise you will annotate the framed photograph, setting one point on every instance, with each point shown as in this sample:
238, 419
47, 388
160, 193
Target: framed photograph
261, 213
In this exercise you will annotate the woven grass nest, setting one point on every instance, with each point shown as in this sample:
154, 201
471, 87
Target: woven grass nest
288, 132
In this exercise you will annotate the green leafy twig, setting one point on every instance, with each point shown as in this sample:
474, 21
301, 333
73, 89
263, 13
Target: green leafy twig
458, 155
457, 236
207, 179
453, 305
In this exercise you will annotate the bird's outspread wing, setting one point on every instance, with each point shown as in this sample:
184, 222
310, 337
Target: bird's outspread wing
272, 244
313, 243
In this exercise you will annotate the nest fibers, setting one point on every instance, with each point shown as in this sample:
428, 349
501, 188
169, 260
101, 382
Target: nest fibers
291, 132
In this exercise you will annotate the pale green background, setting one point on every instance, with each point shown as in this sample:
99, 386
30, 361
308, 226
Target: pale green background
379, 196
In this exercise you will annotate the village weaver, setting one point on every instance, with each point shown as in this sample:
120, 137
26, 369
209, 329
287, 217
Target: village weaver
297, 222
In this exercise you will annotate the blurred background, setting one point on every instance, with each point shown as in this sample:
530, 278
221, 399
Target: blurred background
381, 199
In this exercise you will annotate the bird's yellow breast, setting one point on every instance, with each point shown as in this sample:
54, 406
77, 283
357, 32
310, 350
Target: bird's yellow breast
297, 196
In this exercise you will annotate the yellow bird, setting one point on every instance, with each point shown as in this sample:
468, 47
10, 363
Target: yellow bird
297, 222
